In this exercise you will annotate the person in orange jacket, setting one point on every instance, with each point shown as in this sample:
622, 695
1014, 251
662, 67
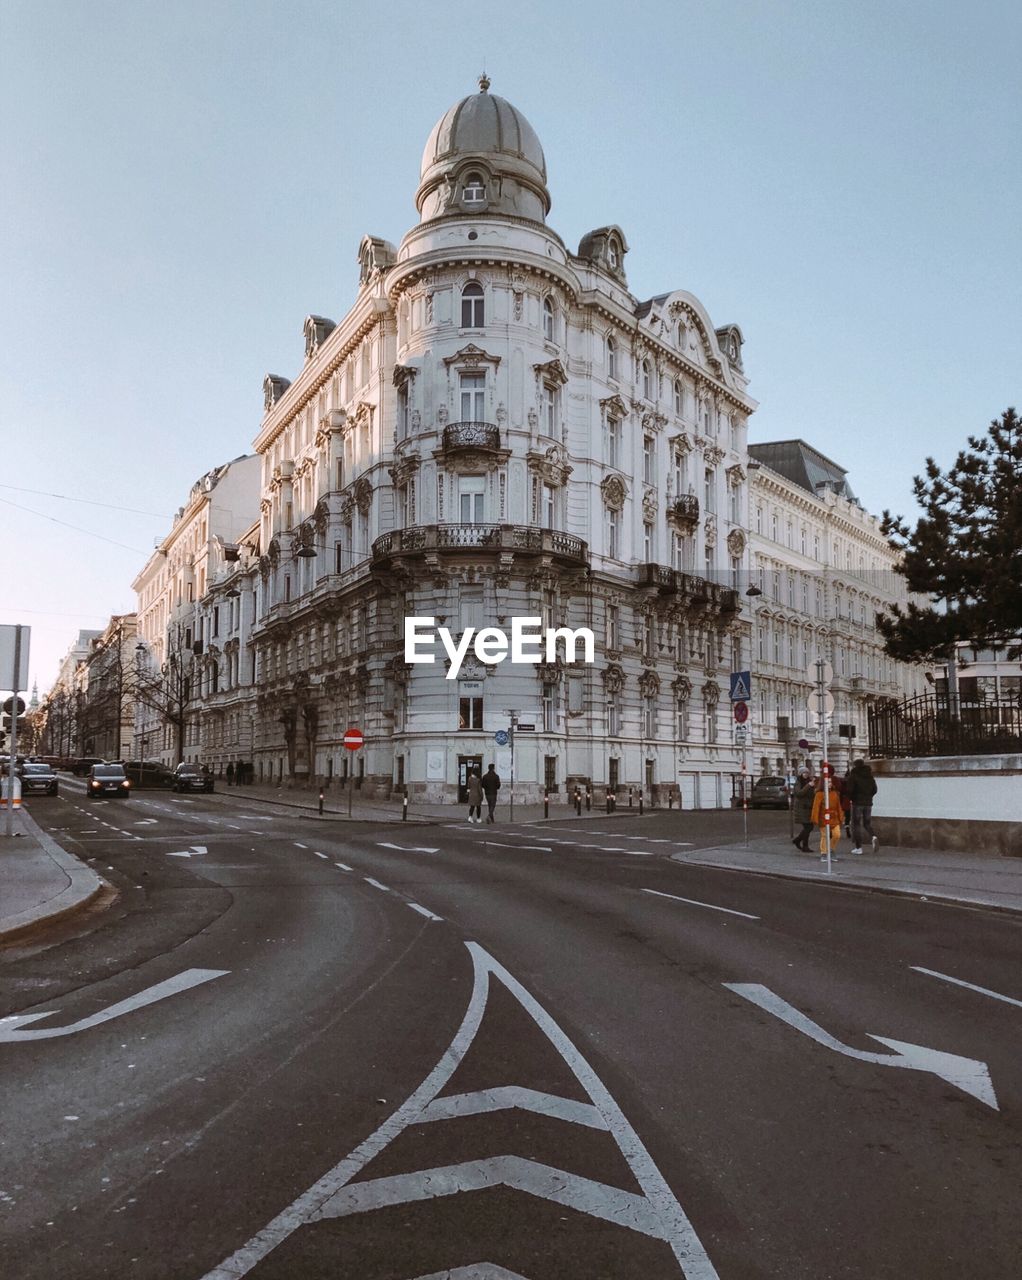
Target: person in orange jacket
825, 816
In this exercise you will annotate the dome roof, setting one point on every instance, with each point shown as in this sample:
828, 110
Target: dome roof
483, 124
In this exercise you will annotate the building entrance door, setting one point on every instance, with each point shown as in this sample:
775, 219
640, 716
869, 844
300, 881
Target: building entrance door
467, 765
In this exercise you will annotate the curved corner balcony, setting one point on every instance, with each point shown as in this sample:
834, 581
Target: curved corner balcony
698, 591
433, 539
471, 435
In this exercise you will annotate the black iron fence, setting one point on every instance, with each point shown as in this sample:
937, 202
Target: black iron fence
940, 724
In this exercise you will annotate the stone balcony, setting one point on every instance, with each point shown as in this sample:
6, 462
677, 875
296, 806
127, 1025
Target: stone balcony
444, 539
470, 435
683, 511
689, 586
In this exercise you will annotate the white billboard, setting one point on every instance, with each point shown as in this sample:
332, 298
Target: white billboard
14, 640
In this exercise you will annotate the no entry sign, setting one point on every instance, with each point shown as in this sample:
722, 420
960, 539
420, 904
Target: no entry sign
353, 739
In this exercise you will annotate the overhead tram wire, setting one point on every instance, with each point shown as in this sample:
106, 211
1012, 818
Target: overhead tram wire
77, 528
65, 497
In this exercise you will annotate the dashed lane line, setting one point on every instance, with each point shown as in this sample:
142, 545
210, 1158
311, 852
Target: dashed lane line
969, 986
321, 855
423, 912
376, 884
693, 903
343, 866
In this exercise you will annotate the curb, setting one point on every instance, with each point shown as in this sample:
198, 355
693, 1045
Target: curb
941, 899
83, 887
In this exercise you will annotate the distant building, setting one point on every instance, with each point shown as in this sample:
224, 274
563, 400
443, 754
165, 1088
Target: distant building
106, 707
823, 571
60, 709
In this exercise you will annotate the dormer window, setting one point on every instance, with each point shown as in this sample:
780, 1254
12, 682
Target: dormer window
613, 257
548, 320
472, 306
474, 191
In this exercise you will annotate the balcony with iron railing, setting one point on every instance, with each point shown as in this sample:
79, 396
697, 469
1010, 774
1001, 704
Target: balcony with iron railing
684, 509
674, 582
448, 538
471, 435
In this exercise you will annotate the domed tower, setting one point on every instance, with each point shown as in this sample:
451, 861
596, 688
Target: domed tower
483, 157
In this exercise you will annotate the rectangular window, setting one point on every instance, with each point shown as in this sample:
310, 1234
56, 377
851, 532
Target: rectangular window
709, 490
735, 505
613, 720
550, 774
473, 397
402, 413
612, 442
550, 410
614, 534
287, 586
648, 547
216, 620
549, 506
648, 460
649, 716
613, 625
680, 474
648, 635
470, 713
682, 720
470, 498
550, 708
471, 607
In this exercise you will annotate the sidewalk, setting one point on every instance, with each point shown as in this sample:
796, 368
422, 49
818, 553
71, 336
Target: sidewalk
39, 881
919, 873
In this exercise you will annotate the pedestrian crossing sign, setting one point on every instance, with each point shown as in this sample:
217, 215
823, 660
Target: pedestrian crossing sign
741, 686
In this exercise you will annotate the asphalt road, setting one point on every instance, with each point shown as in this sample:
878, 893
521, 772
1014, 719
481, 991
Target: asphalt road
552, 1051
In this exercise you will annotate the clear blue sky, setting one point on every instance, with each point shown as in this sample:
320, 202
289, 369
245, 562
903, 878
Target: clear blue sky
183, 183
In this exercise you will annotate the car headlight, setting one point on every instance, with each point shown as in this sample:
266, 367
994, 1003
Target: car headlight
126, 783
94, 784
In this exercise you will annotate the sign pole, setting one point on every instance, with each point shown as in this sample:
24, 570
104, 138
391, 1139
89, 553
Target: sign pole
13, 756
821, 699
511, 746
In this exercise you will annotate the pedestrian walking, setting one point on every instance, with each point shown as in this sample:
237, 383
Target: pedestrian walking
490, 785
862, 787
230, 773
826, 815
802, 808
475, 797
840, 785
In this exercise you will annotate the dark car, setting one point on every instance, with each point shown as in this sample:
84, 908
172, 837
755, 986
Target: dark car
37, 777
769, 793
149, 773
82, 764
190, 777
107, 780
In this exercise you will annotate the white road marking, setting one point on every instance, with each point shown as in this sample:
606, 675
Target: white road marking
376, 884
506, 1098
406, 848
423, 912
146, 822
477, 1271
11, 1028
343, 866
496, 844
693, 903
959, 982
968, 1074
196, 851
655, 1212
300, 846
320, 855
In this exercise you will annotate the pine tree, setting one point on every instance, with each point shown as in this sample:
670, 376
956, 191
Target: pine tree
965, 551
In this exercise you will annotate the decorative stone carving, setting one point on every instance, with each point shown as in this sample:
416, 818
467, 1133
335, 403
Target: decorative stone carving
403, 471
552, 371
649, 684
363, 494
735, 475
736, 542
471, 357
614, 493
404, 374
711, 693
680, 443
653, 421
501, 415
551, 466
713, 455
682, 687
614, 407
533, 419
442, 414
274, 387
429, 307
710, 531
649, 505
613, 678
416, 420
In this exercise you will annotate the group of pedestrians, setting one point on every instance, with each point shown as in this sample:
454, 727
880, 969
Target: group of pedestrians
849, 806
488, 785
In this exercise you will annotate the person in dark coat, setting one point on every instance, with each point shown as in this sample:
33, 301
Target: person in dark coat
474, 786
862, 787
802, 808
230, 773
490, 785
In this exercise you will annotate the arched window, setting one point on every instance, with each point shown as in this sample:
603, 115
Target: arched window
613, 256
611, 358
647, 381
679, 397
474, 190
472, 306
548, 320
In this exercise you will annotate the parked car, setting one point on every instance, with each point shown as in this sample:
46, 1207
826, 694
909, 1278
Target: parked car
149, 773
190, 777
39, 778
107, 780
82, 764
769, 793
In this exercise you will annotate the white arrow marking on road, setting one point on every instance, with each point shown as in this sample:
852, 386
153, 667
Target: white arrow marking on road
146, 822
11, 1029
477, 1271
656, 1212
959, 982
196, 851
406, 848
967, 1074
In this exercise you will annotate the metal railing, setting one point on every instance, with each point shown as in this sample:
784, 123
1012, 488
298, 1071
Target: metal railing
684, 507
503, 537
471, 435
940, 724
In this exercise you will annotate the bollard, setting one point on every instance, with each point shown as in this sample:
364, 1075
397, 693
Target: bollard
546, 804
629, 797
640, 804
589, 800
321, 802
578, 802
670, 799
404, 808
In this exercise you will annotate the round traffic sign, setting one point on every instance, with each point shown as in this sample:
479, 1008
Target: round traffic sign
803, 744
741, 712
353, 739
501, 738
9, 706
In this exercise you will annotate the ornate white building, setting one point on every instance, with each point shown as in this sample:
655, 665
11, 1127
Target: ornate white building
823, 570
497, 428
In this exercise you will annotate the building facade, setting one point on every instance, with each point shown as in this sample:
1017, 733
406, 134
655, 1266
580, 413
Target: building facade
823, 571
498, 428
